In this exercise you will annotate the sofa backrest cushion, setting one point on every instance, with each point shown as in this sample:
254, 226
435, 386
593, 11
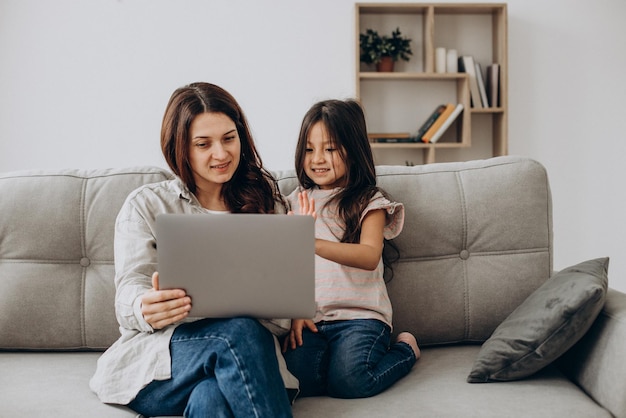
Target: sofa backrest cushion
477, 240
56, 255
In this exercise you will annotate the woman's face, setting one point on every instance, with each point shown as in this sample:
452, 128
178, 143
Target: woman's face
214, 150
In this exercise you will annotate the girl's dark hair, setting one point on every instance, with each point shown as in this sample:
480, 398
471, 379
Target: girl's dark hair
252, 188
344, 122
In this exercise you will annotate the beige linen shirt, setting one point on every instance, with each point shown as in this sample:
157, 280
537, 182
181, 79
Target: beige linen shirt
142, 354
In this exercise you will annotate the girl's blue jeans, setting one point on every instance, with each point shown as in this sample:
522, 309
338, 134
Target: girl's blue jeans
349, 359
220, 368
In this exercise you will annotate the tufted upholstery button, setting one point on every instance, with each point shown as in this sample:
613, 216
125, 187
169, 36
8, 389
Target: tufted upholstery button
464, 255
85, 262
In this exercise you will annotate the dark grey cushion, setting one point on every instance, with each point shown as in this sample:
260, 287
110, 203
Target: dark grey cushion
549, 322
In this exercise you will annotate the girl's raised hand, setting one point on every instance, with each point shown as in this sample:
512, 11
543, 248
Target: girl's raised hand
307, 206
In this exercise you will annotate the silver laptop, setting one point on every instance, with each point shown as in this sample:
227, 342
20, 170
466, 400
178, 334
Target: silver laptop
230, 265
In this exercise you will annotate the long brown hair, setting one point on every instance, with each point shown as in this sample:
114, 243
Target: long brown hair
344, 122
252, 188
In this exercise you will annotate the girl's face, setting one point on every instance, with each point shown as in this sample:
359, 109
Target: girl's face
214, 150
322, 161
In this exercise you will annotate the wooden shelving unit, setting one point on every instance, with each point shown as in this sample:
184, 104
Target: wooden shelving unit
401, 100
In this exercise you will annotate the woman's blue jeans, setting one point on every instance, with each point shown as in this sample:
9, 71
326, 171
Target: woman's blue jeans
220, 368
349, 359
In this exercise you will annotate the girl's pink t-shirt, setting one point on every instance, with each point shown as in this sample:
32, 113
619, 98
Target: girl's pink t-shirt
343, 292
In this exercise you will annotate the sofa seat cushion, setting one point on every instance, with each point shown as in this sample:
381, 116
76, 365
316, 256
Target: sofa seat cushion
436, 387
41, 384
38, 384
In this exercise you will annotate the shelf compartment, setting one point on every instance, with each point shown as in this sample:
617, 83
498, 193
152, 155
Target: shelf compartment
400, 101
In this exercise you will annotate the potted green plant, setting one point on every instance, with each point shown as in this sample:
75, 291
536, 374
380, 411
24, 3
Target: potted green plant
383, 50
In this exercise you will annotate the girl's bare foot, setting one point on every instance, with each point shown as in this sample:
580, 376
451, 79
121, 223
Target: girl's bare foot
408, 338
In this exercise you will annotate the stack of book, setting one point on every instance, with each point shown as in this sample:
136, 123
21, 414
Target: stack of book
431, 130
438, 122
483, 92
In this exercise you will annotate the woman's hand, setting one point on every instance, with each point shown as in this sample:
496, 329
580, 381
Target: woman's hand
161, 308
294, 338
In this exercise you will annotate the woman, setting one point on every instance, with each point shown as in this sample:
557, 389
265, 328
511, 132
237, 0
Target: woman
165, 363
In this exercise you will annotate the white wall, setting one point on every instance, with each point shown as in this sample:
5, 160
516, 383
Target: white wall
84, 83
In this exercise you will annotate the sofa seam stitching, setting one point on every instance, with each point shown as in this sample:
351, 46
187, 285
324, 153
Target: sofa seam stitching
52, 261
87, 176
464, 246
549, 219
83, 248
456, 170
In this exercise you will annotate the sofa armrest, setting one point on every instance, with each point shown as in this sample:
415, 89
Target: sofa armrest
597, 363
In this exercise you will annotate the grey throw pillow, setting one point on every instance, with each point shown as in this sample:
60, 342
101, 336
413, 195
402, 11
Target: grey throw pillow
547, 324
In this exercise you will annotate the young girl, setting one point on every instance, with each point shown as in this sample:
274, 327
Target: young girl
345, 350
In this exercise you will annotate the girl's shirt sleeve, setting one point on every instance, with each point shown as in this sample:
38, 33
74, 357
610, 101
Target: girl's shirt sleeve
394, 211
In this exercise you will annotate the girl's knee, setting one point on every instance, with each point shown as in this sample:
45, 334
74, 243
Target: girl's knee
352, 385
352, 389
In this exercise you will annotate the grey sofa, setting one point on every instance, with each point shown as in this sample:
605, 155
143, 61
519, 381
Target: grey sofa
477, 242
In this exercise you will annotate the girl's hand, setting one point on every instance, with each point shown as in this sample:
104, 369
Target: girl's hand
161, 308
294, 338
307, 206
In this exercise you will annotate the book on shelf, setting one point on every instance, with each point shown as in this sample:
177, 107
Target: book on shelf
390, 137
446, 123
440, 120
493, 84
481, 85
467, 65
428, 122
